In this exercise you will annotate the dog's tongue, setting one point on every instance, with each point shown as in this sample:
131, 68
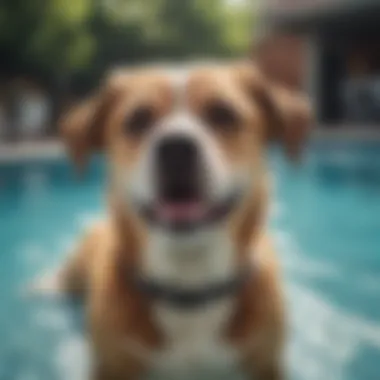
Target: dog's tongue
180, 212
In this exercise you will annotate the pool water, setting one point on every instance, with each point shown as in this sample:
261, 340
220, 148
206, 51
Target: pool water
325, 219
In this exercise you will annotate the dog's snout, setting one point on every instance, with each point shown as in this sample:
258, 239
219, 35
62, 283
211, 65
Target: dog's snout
177, 155
177, 168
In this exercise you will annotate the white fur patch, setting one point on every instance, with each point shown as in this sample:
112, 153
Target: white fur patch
194, 337
220, 177
194, 340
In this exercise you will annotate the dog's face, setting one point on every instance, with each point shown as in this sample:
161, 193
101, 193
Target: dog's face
186, 146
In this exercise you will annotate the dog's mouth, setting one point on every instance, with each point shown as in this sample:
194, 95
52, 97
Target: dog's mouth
185, 210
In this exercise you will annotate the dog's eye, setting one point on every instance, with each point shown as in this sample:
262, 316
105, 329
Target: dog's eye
140, 121
221, 115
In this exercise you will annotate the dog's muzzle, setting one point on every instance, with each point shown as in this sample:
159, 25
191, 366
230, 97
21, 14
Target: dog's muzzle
182, 203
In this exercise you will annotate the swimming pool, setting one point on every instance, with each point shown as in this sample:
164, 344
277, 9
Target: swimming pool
326, 221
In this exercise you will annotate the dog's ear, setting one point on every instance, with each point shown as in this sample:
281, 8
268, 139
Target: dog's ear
289, 117
287, 113
83, 127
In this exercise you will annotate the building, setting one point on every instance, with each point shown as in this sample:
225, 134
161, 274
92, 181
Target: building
330, 47
25, 111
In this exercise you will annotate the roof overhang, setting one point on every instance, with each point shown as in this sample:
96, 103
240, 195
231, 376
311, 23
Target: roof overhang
338, 16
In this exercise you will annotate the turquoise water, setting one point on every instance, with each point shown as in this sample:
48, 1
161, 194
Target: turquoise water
325, 218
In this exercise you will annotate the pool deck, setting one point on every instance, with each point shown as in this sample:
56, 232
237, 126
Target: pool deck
11, 152
349, 134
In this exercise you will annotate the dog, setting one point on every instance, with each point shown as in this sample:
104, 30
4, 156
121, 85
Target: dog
182, 276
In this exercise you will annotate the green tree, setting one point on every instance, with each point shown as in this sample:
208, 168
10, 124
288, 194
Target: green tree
44, 37
68, 44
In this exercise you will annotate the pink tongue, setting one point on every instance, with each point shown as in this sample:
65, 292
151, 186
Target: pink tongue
180, 211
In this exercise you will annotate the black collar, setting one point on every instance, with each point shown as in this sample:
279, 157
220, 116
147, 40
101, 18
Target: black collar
191, 298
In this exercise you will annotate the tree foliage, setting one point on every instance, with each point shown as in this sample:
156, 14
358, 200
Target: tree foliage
80, 39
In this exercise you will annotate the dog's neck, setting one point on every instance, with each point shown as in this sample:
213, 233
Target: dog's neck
199, 260
190, 263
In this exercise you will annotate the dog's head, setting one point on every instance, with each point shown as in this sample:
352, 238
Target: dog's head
186, 146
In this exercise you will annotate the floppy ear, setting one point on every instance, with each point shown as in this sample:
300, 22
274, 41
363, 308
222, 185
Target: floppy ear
287, 113
289, 118
83, 127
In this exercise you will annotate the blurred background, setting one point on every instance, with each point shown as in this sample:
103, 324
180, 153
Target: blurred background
331, 49
55, 51
325, 214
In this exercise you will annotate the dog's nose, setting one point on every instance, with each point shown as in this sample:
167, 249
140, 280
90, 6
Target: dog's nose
177, 155
177, 168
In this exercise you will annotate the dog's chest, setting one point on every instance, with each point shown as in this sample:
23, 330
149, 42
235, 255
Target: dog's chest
195, 340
